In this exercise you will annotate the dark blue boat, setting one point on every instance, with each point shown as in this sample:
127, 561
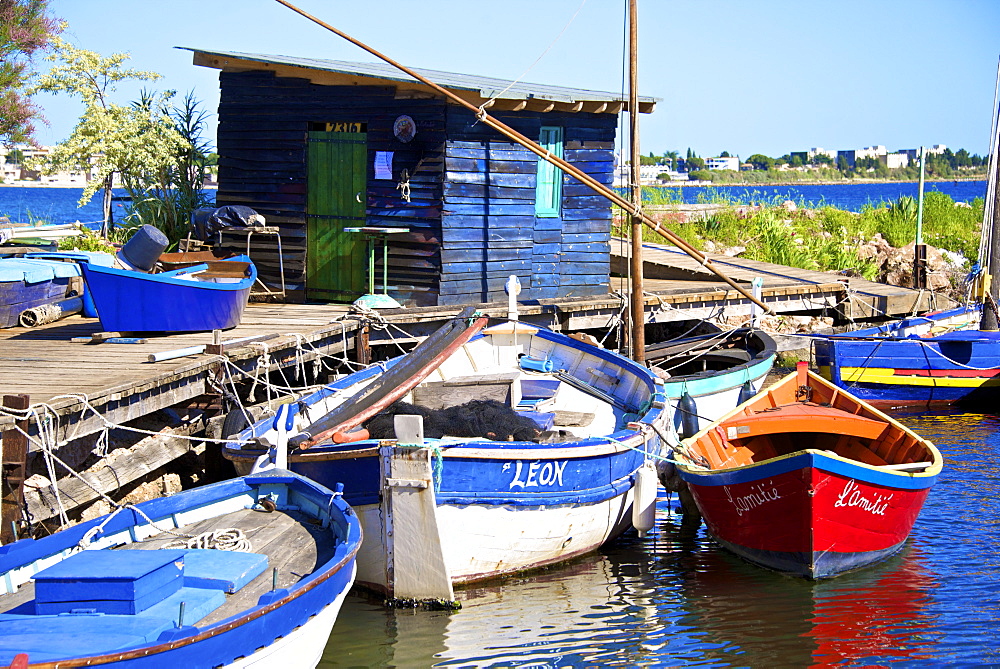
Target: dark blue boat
930, 359
190, 299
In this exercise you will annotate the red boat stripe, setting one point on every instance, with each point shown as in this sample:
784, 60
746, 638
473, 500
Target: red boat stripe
949, 373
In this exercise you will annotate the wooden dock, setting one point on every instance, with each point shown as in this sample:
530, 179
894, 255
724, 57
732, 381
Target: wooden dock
89, 387
119, 381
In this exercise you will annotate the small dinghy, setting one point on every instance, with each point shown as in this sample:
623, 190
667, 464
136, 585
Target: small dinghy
554, 477
194, 298
807, 480
136, 587
706, 375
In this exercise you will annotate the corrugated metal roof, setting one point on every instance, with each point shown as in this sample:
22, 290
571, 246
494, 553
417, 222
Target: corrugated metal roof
486, 87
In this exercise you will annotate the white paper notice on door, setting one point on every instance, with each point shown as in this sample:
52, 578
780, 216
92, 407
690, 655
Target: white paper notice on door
383, 164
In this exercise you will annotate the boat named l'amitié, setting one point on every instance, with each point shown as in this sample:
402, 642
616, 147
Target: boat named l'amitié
808, 480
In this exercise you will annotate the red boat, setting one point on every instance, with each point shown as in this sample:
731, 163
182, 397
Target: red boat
808, 480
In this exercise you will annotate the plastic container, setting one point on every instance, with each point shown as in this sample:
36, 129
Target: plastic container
144, 248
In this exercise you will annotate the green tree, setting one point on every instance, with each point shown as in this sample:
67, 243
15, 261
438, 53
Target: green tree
760, 161
670, 158
695, 163
25, 28
109, 138
167, 195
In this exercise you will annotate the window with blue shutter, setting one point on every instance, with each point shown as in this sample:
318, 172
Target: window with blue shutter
548, 187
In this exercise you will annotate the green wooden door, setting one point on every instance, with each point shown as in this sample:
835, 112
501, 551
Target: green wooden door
336, 261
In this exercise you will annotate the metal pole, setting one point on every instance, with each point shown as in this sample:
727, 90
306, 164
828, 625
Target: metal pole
989, 248
638, 300
920, 201
919, 252
532, 146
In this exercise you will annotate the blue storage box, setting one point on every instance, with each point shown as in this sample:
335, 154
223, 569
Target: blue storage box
107, 581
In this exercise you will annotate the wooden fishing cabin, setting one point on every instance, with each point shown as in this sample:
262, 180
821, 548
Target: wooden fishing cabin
356, 162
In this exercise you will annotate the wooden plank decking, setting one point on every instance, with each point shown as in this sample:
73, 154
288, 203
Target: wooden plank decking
119, 381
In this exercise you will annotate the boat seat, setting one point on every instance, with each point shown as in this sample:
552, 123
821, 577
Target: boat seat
54, 637
803, 418
221, 570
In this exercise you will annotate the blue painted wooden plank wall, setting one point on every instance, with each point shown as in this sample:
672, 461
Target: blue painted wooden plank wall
489, 203
472, 204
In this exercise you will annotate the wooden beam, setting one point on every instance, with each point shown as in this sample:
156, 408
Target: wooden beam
120, 468
15, 456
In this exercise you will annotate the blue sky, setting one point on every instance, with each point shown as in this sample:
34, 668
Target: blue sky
744, 76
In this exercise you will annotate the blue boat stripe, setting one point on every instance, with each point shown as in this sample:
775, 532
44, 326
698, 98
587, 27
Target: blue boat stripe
803, 460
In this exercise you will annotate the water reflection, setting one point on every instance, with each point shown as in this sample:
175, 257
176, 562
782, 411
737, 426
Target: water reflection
678, 600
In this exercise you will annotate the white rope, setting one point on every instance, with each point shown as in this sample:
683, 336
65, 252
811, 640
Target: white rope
228, 539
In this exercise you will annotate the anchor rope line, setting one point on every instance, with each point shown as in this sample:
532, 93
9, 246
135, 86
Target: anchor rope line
482, 107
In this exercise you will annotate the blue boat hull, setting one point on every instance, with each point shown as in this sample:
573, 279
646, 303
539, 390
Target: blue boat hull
128, 301
260, 631
891, 366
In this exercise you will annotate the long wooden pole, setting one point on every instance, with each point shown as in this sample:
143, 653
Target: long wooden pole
991, 223
638, 300
532, 146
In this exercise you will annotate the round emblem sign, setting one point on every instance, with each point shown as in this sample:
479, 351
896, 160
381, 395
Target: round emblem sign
404, 128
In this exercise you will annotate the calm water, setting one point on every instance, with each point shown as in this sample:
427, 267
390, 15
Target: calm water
850, 197
59, 205
674, 599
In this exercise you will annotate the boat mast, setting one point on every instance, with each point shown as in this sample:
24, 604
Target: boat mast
533, 146
638, 301
989, 252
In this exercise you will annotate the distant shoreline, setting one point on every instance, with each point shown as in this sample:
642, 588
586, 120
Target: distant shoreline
842, 182
37, 184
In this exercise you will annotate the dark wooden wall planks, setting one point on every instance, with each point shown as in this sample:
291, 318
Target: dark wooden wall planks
263, 121
488, 225
471, 212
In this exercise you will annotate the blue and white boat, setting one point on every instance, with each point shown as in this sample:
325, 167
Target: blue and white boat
114, 591
439, 512
707, 375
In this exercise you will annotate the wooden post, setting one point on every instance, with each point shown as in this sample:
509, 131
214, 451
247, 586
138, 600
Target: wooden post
638, 301
15, 457
919, 248
362, 349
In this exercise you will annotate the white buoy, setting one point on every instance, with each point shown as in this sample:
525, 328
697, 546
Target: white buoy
644, 499
512, 287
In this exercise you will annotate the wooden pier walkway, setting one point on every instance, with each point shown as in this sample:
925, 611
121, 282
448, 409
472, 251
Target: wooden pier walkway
119, 380
89, 386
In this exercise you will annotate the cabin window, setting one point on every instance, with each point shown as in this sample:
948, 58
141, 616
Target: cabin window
548, 187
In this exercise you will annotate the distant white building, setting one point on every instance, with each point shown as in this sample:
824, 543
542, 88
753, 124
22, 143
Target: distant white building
870, 152
896, 160
728, 163
820, 151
